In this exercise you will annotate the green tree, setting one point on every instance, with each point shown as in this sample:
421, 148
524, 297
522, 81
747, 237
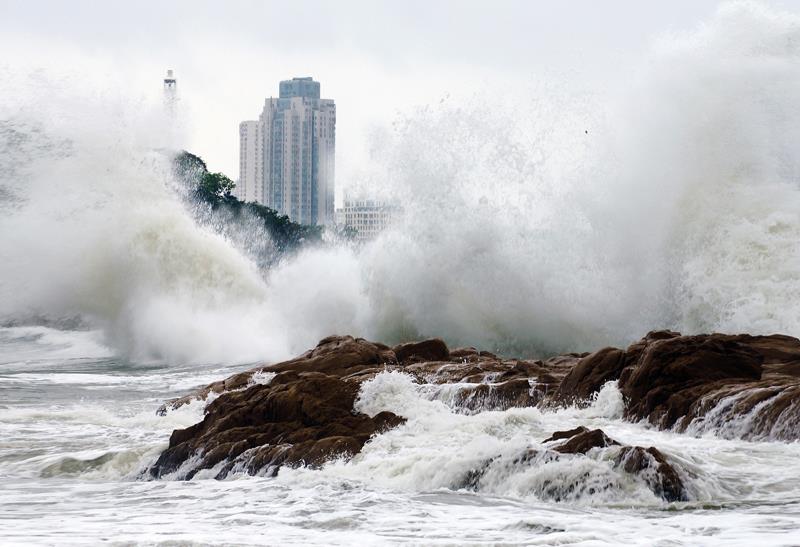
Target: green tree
215, 185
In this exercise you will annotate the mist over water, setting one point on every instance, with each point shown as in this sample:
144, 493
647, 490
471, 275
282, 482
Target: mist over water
536, 220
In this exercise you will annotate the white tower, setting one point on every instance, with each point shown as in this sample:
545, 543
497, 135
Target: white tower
170, 93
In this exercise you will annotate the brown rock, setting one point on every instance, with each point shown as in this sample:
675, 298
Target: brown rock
463, 353
649, 463
673, 380
499, 396
485, 370
304, 416
673, 373
664, 481
342, 356
582, 441
428, 350
589, 374
569, 433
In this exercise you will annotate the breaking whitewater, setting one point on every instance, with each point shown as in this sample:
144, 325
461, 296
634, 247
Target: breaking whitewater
538, 236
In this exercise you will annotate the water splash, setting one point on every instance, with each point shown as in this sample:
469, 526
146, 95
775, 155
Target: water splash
566, 224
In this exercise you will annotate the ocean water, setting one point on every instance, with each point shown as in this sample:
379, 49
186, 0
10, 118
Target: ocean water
547, 223
78, 424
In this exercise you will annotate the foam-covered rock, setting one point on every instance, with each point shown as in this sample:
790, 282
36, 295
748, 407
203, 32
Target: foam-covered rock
299, 418
735, 385
649, 464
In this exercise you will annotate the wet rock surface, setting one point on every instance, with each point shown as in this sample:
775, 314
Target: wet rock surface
590, 374
582, 440
737, 385
428, 350
648, 465
303, 414
655, 468
708, 381
300, 419
670, 375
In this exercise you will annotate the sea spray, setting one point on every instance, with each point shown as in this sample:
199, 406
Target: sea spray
561, 225
93, 229
676, 207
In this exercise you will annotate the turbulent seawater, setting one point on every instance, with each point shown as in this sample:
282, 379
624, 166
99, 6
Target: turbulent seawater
549, 222
77, 425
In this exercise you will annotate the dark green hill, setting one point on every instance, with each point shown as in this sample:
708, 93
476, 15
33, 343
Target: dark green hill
214, 189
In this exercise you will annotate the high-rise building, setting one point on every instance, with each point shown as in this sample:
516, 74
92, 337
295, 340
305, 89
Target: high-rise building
286, 158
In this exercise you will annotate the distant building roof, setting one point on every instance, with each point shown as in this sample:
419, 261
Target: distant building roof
299, 87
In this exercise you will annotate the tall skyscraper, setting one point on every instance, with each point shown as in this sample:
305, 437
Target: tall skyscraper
286, 158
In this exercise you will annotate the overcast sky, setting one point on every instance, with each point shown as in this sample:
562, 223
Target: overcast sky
375, 59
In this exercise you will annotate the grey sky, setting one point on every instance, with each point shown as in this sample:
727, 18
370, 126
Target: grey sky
374, 58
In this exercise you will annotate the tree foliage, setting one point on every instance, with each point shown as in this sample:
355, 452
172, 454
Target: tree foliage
215, 189
215, 186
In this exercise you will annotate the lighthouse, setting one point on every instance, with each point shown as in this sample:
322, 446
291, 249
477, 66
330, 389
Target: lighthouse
170, 92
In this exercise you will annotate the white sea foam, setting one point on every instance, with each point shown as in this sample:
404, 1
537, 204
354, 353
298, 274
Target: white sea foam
439, 447
261, 378
83, 456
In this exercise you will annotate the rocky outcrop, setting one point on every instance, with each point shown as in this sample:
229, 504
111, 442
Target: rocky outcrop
655, 469
737, 385
581, 440
649, 464
300, 418
344, 357
672, 374
678, 381
590, 374
486, 381
428, 350
303, 414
